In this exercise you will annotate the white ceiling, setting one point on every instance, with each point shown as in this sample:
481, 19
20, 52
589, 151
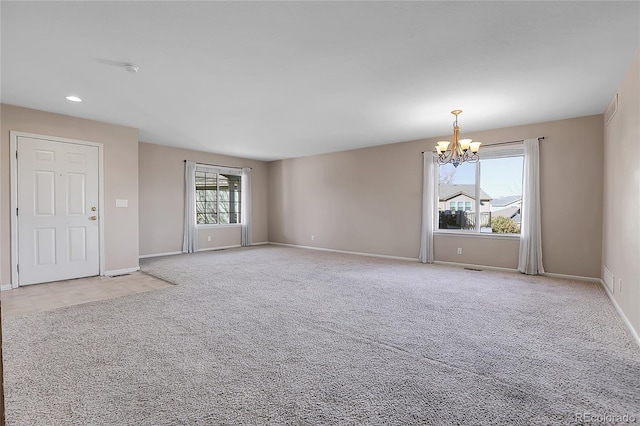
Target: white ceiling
272, 80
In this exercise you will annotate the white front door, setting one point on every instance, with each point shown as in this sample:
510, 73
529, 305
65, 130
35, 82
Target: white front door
57, 213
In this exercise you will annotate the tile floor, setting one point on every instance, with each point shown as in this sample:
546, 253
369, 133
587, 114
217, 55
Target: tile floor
46, 296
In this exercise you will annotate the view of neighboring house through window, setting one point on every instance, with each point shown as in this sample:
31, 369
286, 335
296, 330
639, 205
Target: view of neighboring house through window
217, 197
485, 196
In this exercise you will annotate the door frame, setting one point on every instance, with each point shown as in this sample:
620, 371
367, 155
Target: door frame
13, 139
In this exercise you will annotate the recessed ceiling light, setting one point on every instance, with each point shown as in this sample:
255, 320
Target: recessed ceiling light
73, 98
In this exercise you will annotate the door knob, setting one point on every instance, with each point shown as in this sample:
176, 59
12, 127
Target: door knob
93, 218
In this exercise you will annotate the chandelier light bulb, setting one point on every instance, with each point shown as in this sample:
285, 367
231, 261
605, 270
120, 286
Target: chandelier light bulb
442, 146
464, 144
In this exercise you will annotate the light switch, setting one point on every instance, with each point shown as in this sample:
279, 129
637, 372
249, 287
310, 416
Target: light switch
122, 203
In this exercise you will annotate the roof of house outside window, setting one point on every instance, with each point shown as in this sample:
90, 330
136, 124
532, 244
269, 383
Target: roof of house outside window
448, 191
510, 212
505, 201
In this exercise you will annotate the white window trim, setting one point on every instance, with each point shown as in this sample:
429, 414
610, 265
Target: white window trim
474, 234
512, 150
236, 171
488, 153
218, 225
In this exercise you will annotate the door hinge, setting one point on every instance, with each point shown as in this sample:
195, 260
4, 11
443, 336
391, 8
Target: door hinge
17, 268
16, 154
16, 211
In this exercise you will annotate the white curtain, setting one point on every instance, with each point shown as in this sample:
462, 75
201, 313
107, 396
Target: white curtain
530, 260
429, 193
190, 242
246, 207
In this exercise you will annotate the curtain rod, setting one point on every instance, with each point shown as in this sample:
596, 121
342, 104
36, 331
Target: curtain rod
504, 143
219, 165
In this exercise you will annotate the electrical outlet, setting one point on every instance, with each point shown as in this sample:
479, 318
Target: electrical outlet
459, 250
313, 237
209, 238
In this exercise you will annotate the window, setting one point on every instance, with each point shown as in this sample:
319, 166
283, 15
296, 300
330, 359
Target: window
455, 184
487, 194
218, 196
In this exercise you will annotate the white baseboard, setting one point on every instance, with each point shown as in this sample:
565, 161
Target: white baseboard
219, 248
357, 253
121, 271
472, 266
171, 253
571, 277
497, 268
4, 287
626, 321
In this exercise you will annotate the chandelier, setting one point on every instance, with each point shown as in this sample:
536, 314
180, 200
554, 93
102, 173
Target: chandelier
463, 150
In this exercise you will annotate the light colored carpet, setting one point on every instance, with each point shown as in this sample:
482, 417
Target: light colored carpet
278, 335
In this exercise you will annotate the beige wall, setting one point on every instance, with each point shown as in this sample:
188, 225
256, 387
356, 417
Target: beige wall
362, 200
503, 252
621, 234
120, 178
161, 187
368, 200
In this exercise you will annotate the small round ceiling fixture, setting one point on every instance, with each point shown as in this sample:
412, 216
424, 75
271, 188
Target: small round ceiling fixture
131, 67
73, 98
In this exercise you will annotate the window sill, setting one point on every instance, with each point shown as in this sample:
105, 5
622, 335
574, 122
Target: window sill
217, 225
467, 234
